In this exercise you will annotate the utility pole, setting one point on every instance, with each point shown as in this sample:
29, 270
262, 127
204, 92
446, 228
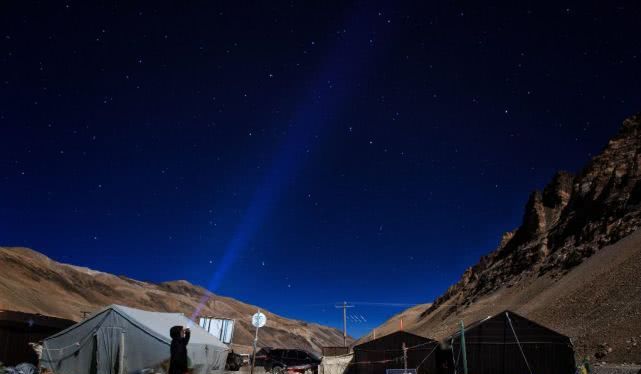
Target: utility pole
344, 306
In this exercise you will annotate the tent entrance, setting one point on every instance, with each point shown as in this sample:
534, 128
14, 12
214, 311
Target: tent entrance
110, 350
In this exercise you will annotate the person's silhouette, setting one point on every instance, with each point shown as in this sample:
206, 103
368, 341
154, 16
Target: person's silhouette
179, 340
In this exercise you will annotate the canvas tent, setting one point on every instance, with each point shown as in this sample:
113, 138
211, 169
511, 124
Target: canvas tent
509, 343
18, 329
380, 355
119, 340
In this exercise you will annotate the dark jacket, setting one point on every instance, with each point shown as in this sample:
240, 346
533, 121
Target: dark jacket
178, 360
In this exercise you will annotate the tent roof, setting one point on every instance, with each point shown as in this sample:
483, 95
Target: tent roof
392, 336
394, 333
23, 319
503, 315
157, 324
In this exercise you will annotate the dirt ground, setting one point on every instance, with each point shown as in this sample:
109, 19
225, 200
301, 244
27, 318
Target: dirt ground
245, 370
616, 369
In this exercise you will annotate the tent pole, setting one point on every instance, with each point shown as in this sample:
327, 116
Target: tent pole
121, 367
404, 358
509, 320
463, 348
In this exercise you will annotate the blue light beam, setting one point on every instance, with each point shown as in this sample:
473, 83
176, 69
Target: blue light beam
344, 68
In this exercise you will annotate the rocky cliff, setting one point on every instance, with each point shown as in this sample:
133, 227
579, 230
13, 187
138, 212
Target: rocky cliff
571, 219
574, 263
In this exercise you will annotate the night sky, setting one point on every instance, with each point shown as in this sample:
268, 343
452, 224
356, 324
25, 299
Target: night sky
297, 154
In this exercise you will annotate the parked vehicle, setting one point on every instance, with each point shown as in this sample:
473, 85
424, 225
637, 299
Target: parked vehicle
246, 358
276, 360
234, 361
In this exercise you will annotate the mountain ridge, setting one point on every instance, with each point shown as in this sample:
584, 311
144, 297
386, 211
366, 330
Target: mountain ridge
564, 225
33, 282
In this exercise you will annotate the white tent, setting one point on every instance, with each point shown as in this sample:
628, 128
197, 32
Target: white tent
123, 340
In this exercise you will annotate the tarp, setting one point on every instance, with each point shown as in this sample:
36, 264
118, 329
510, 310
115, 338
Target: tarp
123, 340
335, 364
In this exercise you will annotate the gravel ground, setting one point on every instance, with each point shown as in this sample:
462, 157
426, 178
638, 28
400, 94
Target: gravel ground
616, 369
596, 369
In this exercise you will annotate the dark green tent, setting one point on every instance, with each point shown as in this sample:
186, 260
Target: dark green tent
508, 343
379, 355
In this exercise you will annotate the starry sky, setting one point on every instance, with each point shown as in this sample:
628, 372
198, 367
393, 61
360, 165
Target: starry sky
297, 154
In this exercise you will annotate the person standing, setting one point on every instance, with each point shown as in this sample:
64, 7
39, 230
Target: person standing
178, 359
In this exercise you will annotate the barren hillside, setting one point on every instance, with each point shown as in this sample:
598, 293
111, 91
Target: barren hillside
32, 282
574, 264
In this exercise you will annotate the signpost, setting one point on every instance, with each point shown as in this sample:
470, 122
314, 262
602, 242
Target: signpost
258, 320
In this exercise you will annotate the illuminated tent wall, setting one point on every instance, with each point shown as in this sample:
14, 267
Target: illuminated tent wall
386, 352
119, 340
492, 347
339, 364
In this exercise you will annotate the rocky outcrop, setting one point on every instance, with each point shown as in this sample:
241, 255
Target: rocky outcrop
572, 265
567, 222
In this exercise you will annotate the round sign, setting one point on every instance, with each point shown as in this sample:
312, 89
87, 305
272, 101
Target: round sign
259, 319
